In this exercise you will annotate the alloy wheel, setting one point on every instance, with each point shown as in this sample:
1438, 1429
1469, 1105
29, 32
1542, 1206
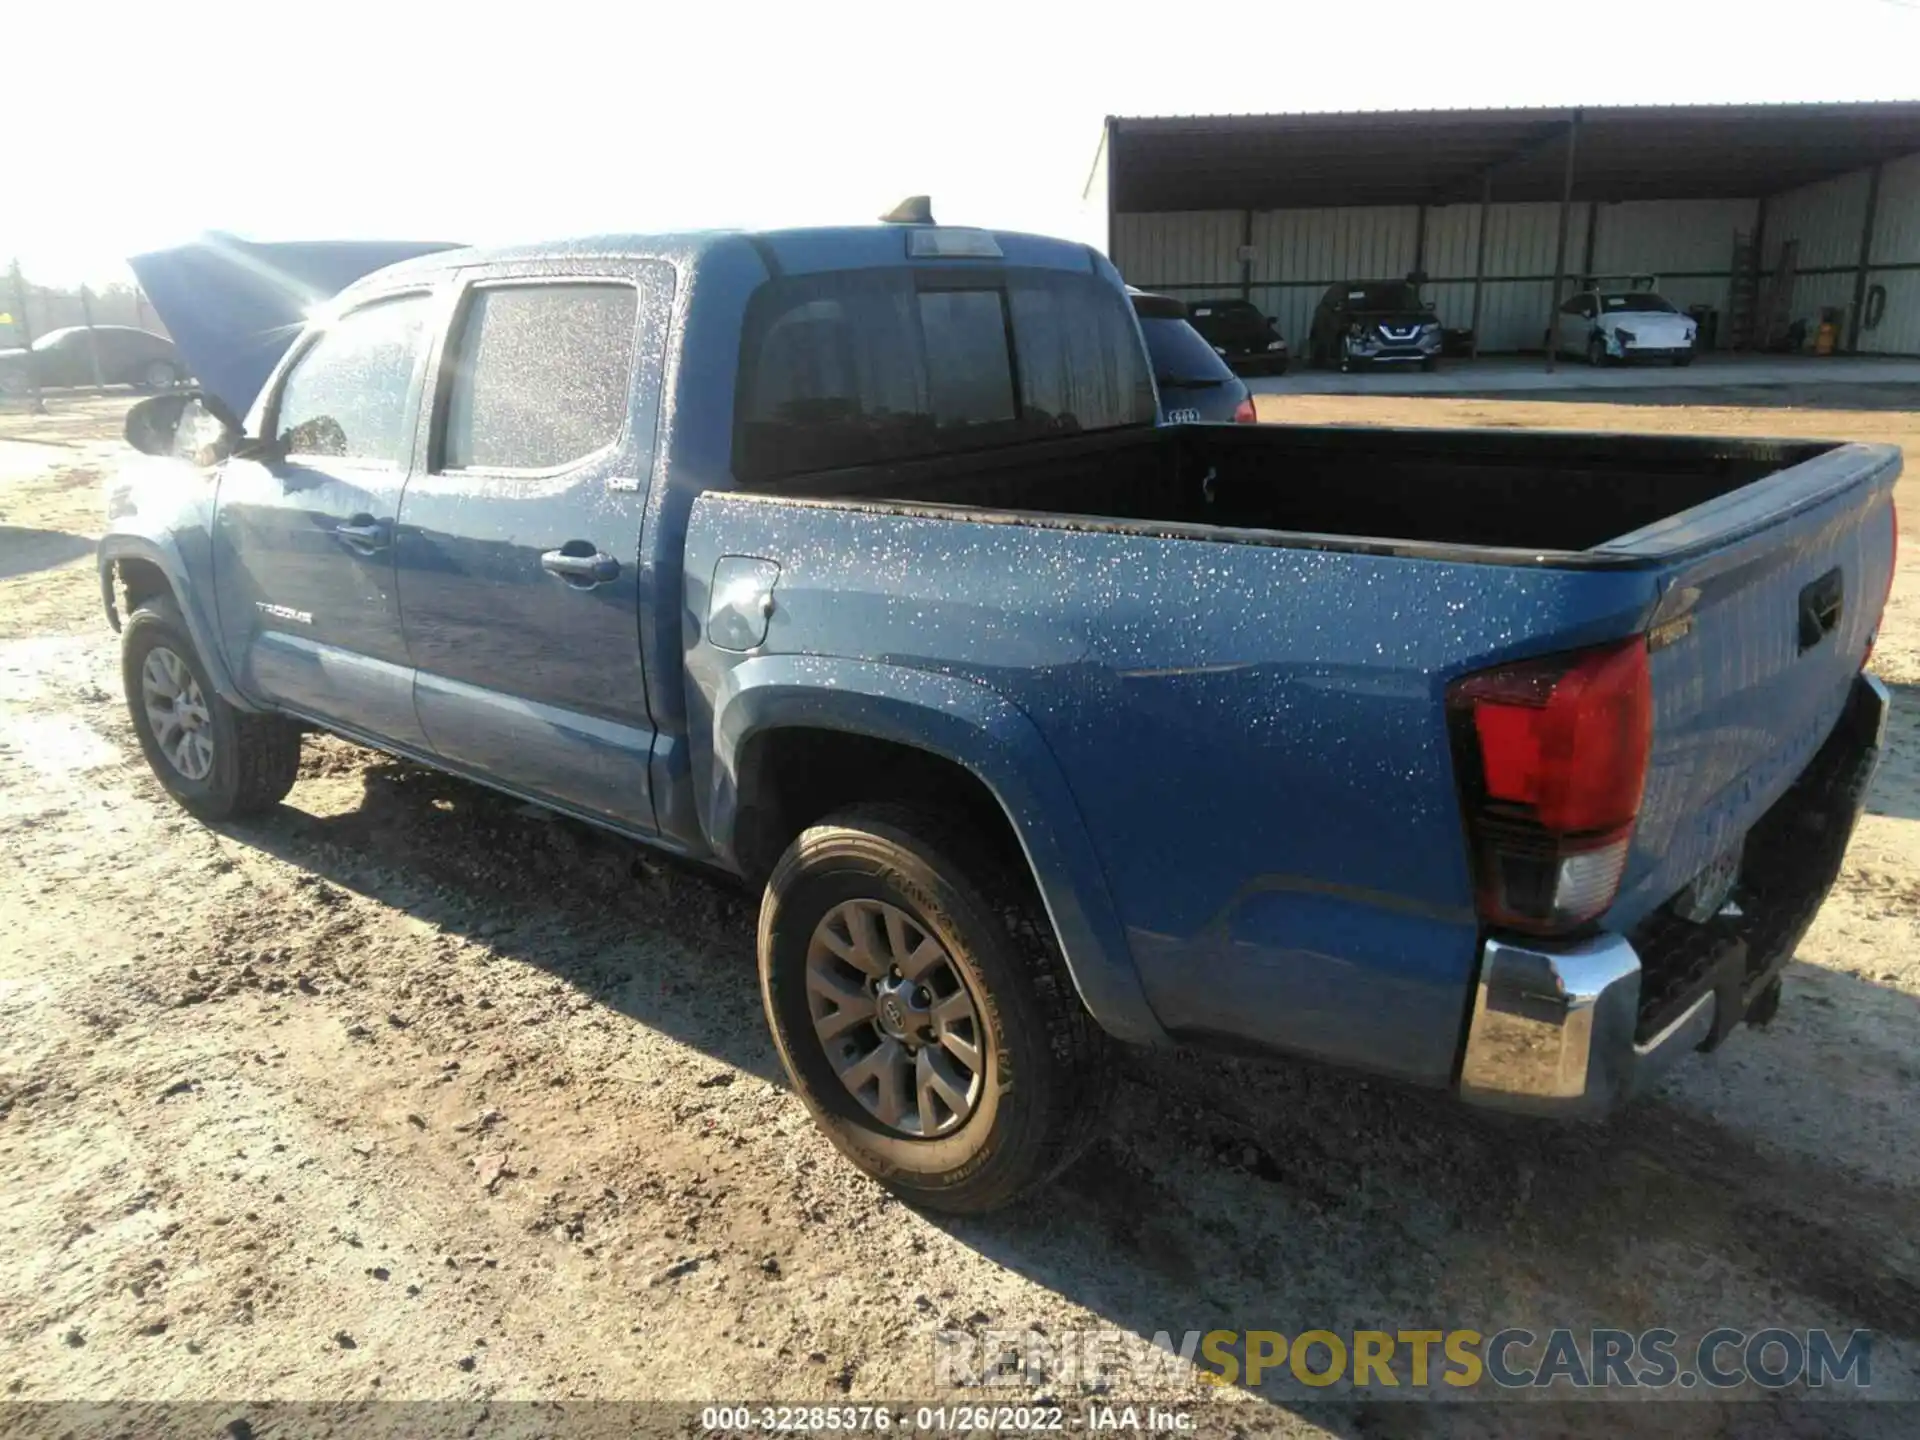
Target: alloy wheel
897, 1019
177, 713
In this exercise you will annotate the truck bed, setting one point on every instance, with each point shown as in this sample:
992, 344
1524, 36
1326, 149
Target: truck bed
1236, 641
1541, 492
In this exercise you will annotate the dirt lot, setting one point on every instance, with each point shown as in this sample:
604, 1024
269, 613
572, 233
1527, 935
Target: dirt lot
414, 1092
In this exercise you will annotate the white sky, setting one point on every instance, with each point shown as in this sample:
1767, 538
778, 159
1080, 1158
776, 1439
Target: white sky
131, 126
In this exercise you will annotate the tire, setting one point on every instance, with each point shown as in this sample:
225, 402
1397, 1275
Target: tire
159, 375
1682, 360
1596, 352
1429, 364
250, 760
1040, 1082
1279, 367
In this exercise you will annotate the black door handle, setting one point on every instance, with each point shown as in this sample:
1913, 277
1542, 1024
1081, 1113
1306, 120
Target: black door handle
363, 534
581, 565
1821, 604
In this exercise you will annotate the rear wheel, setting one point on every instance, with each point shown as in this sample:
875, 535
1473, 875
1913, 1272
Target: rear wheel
922, 1011
1596, 352
1683, 360
217, 761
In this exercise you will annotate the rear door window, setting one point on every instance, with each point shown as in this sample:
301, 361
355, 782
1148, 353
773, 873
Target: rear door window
346, 396
540, 375
861, 367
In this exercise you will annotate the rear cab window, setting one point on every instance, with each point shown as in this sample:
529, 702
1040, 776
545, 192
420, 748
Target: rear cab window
849, 368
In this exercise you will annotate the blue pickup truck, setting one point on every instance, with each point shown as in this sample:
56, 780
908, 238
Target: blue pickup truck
854, 563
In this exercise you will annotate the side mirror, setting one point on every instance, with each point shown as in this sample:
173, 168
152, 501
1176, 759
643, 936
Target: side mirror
184, 424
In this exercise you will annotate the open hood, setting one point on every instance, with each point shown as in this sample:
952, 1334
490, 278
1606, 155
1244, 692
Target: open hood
234, 306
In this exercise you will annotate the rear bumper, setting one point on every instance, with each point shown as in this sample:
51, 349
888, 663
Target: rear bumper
1252, 360
1574, 1029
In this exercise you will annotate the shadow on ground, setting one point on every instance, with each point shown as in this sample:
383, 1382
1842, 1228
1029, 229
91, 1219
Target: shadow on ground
24, 551
1896, 787
1223, 1194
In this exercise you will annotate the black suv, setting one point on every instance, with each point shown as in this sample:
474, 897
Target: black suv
1240, 335
1367, 322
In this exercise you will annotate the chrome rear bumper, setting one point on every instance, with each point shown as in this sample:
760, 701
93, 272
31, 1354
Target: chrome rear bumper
1553, 1031
1554, 1028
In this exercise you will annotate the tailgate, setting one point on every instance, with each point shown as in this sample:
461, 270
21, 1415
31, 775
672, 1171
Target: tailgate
1771, 598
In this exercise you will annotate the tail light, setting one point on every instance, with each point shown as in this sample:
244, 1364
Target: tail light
1244, 413
1893, 568
1552, 758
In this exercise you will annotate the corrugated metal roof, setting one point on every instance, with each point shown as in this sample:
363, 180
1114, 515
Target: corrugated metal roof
1387, 157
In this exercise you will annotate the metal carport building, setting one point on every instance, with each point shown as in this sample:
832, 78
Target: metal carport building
1767, 213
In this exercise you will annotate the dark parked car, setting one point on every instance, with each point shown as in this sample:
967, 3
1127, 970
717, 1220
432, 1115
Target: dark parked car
1240, 335
127, 357
1364, 322
1194, 382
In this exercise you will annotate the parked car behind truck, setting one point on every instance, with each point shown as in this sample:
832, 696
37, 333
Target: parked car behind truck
853, 563
1241, 335
1193, 381
1618, 326
93, 355
1362, 323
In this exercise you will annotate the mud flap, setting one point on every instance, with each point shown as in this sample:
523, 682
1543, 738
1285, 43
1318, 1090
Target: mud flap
1728, 981
1765, 1005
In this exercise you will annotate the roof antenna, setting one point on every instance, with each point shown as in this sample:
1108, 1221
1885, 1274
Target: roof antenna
914, 210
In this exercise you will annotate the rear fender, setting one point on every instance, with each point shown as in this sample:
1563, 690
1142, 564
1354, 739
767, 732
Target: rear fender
981, 731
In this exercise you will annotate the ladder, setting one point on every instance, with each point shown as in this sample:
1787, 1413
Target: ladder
1743, 291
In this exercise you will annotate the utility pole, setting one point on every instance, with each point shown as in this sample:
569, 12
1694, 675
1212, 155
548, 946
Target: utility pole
1560, 251
34, 403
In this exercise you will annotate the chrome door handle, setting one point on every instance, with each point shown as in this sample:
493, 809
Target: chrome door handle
582, 571
363, 534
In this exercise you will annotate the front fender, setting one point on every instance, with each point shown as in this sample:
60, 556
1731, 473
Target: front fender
161, 550
977, 729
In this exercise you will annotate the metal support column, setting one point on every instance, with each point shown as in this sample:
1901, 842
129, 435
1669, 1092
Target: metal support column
1420, 240
1560, 249
1866, 258
1586, 254
1480, 260
1246, 255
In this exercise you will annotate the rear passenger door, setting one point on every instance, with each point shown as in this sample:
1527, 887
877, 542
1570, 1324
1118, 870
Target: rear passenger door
520, 540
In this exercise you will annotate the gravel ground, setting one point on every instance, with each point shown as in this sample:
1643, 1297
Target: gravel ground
412, 1091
